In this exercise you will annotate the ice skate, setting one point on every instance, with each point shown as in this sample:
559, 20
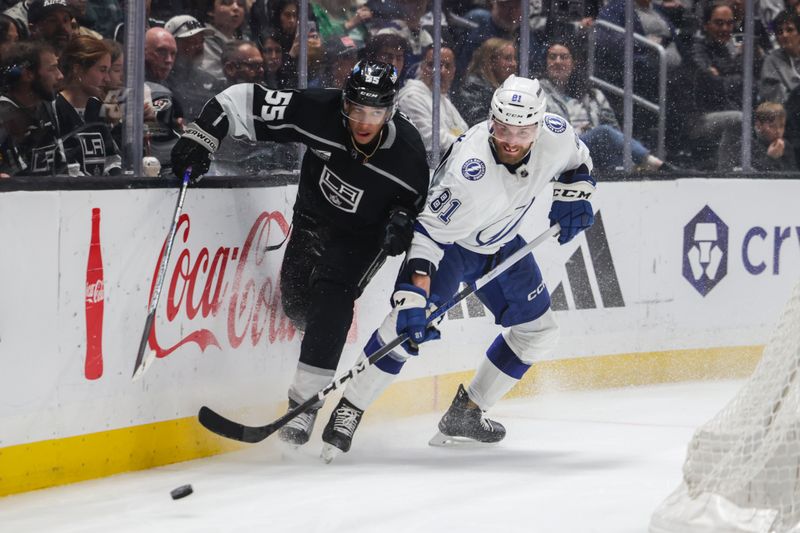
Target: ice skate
338, 434
297, 431
466, 425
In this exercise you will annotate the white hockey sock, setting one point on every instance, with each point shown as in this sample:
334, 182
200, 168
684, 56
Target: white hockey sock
489, 385
365, 388
308, 381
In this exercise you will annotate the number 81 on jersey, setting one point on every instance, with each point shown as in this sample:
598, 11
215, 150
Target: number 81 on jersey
444, 198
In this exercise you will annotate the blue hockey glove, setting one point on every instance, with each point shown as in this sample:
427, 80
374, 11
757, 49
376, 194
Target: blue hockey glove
411, 304
571, 207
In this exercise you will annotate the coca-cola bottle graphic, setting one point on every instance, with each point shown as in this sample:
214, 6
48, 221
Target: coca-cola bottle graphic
94, 303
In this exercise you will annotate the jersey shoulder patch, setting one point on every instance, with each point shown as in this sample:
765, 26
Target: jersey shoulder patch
555, 123
473, 169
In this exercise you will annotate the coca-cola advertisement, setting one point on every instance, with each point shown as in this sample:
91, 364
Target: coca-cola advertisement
224, 297
95, 294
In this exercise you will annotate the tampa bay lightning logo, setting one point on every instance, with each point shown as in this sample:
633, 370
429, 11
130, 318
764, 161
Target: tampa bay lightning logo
473, 169
555, 124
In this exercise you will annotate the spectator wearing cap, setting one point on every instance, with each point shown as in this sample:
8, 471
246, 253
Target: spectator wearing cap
225, 19
194, 85
51, 21
341, 54
415, 99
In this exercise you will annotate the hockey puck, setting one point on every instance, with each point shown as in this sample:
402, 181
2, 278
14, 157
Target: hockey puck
181, 492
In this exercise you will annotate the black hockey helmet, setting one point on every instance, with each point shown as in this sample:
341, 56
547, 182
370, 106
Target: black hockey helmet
371, 83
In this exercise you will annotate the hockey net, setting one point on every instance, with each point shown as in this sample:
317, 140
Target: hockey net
742, 469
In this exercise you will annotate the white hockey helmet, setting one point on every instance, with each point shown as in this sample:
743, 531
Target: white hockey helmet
518, 102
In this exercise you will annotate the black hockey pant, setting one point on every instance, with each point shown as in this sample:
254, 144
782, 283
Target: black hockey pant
321, 278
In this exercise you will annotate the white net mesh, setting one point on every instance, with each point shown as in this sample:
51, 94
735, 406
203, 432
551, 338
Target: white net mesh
749, 453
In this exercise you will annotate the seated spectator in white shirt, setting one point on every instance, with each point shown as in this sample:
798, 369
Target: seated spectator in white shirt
416, 101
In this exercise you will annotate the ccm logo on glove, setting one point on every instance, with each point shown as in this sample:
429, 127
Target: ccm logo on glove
571, 207
570, 192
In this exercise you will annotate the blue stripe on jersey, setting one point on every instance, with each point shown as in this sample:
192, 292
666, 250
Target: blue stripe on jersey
419, 228
504, 358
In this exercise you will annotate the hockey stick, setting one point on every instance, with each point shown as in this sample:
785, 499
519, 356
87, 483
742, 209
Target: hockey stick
225, 427
143, 362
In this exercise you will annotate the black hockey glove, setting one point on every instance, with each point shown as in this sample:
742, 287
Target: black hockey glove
398, 232
194, 149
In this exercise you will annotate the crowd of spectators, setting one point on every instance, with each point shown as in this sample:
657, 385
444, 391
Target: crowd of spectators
62, 88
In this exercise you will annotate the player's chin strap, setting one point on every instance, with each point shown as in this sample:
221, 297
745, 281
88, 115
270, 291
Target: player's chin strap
225, 427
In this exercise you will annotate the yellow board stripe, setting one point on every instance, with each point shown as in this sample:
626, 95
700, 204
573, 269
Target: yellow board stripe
59, 461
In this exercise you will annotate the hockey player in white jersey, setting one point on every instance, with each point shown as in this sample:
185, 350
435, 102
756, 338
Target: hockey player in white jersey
483, 187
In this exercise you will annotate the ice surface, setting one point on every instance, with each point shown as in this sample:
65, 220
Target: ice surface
597, 461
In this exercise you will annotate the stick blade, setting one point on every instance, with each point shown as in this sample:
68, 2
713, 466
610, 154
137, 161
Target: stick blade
143, 364
224, 427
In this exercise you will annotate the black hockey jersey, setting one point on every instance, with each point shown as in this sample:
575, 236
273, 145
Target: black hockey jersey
337, 186
87, 139
29, 140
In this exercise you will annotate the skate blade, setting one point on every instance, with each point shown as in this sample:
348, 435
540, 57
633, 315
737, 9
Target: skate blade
290, 450
329, 453
440, 440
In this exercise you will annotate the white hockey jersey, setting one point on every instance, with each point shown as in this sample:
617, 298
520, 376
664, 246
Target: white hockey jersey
478, 203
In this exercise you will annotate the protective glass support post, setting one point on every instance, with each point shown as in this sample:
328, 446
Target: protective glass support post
133, 130
524, 38
627, 155
437, 82
302, 63
747, 87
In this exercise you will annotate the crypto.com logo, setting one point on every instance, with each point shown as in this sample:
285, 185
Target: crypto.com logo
705, 250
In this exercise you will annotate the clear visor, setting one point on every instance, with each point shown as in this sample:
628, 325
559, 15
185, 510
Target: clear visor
516, 135
365, 114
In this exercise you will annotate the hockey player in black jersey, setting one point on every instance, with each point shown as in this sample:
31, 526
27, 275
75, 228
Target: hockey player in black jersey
364, 179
